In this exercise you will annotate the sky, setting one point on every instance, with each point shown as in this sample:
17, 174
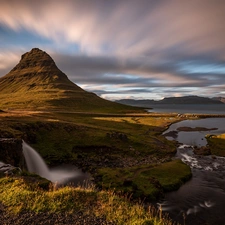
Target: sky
141, 49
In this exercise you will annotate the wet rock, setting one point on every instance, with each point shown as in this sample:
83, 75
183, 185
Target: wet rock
7, 170
172, 134
204, 150
11, 151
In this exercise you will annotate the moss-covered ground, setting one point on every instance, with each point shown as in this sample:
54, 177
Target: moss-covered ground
147, 181
217, 144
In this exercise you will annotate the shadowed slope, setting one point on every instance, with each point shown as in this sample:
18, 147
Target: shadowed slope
37, 83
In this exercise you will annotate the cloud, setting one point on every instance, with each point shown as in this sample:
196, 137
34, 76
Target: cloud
120, 27
8, 60
131, 71
120, 45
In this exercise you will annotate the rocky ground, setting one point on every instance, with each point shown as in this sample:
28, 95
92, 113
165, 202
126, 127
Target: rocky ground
93, 163
44, 218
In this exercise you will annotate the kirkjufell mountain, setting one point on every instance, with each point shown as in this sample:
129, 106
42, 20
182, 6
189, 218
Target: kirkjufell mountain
37, 83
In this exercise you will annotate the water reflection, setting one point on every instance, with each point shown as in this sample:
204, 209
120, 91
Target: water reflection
195, 138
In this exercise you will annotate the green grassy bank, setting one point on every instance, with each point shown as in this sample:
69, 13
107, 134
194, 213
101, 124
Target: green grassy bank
147, 181
18, 196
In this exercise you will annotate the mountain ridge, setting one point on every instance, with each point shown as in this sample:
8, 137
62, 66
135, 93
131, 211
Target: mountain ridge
37, 83
171, 100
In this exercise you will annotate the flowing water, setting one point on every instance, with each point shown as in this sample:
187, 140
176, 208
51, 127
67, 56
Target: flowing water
202, 199
64, 174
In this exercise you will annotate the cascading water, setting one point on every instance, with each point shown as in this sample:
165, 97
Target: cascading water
35, 163
60, 175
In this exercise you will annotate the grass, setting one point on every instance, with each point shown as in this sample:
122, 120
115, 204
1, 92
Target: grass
217, 144
146, 181
98, 142
92, 138
55, 135
18, 197
41, 91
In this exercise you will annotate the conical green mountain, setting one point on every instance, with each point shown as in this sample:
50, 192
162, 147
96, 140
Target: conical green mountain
37, 83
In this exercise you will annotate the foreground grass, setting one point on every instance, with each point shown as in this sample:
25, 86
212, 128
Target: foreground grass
18, 196
217, 144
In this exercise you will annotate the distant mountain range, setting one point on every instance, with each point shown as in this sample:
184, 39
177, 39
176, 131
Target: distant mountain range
221, 99
36, 83
173, 100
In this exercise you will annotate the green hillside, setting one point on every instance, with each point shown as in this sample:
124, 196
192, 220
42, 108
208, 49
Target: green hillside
37, 83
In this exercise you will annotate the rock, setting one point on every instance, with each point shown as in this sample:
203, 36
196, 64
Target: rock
7, 169
35, 58
204, 150
11, 151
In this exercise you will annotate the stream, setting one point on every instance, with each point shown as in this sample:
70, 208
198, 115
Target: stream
202, 199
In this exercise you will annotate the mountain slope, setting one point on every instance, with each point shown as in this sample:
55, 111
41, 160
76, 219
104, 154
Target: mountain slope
37, 83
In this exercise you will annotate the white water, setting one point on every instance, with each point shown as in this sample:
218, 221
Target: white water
36, 164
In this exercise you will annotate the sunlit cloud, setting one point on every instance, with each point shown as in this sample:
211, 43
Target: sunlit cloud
116, 45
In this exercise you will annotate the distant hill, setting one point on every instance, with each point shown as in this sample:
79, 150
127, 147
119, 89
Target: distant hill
221, 99
171, 100
189, 100
37, 83
141, 103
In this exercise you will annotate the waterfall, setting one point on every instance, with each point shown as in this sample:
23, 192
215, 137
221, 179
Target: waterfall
35, 163
60, 175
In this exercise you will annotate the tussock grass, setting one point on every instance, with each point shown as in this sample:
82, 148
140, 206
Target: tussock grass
18, 197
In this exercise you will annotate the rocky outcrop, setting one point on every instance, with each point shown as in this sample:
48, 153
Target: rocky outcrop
11, 151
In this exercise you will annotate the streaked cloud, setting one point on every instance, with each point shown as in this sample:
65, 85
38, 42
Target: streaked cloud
133, 48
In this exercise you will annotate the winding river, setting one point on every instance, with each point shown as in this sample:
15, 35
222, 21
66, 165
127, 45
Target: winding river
202, 199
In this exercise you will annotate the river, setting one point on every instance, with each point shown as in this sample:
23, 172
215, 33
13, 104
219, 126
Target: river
202, 199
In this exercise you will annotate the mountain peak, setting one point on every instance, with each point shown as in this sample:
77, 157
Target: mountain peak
35, 58
37, 83
36, 71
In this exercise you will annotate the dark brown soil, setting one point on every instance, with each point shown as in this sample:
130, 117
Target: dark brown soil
45, 218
